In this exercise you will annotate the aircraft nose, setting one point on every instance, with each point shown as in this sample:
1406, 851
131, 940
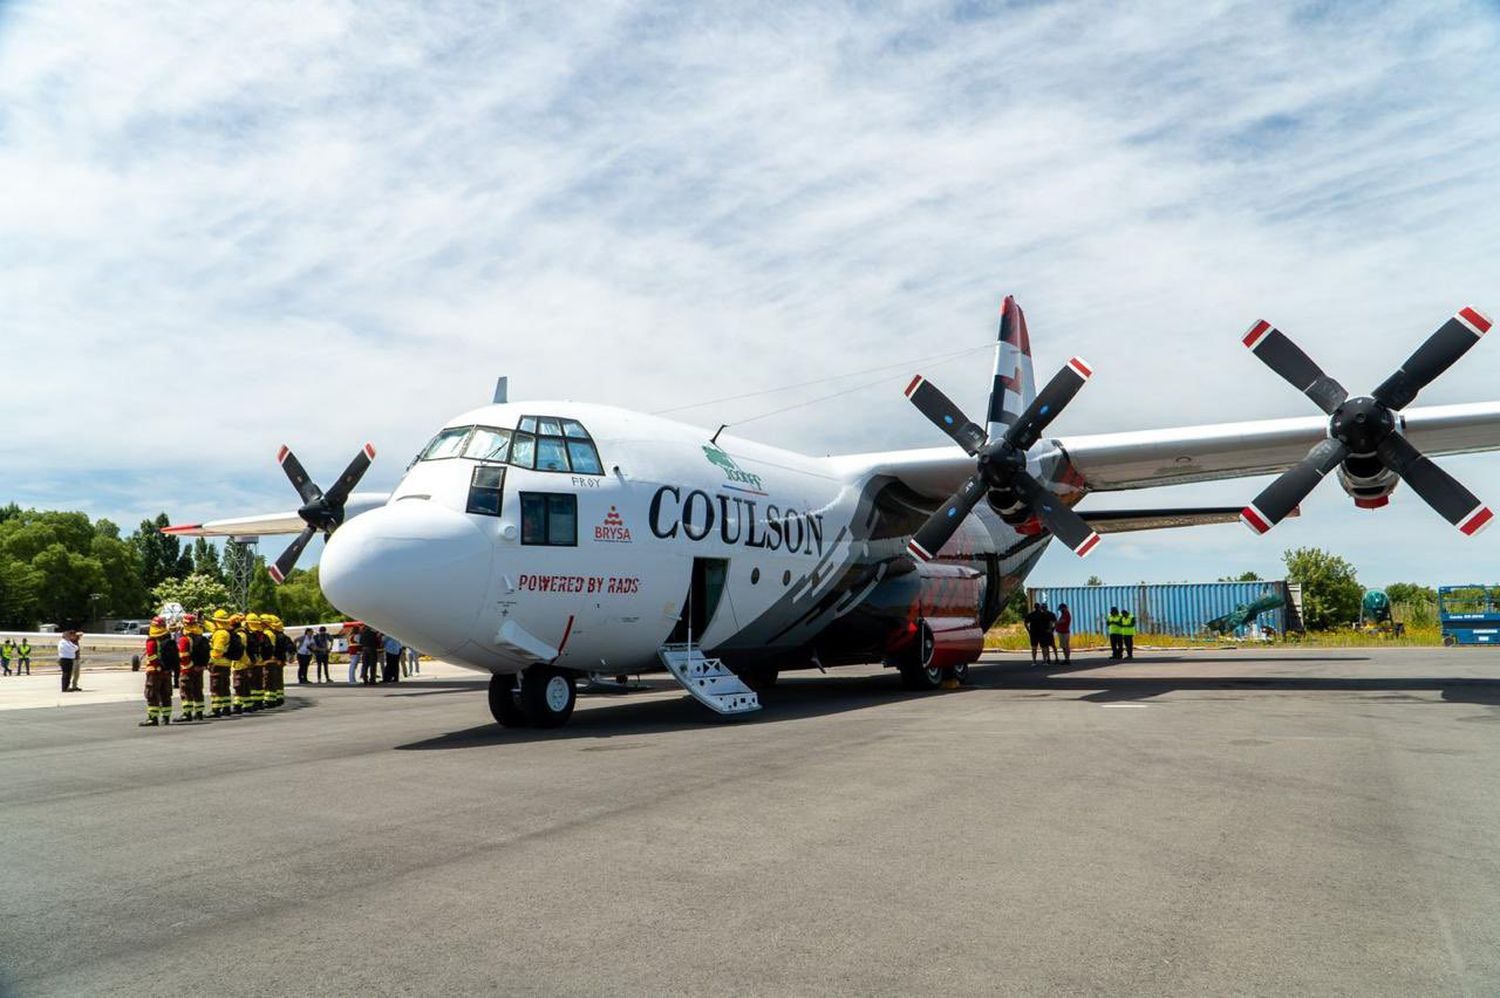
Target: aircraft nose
414, 568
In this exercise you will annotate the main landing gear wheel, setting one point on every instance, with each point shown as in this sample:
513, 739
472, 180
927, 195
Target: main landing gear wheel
547, 695
958, 673
919, 677
503, 702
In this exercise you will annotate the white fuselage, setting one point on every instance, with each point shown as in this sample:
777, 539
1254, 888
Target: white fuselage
592, 569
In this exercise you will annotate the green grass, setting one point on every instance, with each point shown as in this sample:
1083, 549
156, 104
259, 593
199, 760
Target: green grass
1012, 637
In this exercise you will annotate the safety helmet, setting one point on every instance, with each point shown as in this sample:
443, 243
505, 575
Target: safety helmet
191, 624
158, 627
253, 621
236, 619
220, 615
275, 621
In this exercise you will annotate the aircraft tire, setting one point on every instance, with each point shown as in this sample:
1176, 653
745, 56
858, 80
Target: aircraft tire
548, 696
920, 678
959, 672
503, 705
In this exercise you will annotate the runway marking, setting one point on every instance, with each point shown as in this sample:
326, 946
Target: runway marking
1108, 705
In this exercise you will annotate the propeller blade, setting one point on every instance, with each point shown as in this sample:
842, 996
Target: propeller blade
1043, 409
945, 415
1278, 500
1284, 357
1451, 341
301, 480
288, 559
351, 476
932, 535
1066, 525
1437, 488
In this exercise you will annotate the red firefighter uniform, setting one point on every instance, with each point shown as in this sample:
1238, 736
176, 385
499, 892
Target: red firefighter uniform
258, 650
158, 679
237, 651
193, 650
218, 665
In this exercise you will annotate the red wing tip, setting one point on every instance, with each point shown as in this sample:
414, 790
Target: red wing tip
918, 550
913, 386
281, 454
1476, 521
1474, 319
181, 528
370, 451
275, 574
1088, 545
1252, 518
1256, 333
1082, 367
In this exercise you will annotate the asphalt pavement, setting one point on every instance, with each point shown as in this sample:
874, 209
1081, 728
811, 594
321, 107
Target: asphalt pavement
1247, 823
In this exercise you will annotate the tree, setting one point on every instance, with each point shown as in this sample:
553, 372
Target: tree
197, 593
1094, 580
206, 560
67, 581
302, 600
161, 554
1242, 577
18, 585
1331, 593
1410, 592
264, 597
124, 593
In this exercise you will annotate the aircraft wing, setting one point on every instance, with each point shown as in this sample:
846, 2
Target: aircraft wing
1138, 459
1119, 521
266, 524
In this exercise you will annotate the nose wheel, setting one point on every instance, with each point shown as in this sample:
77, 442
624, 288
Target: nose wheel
542, 697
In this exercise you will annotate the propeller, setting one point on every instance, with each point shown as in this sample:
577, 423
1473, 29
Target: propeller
1002, 462
1366, 426
321, 511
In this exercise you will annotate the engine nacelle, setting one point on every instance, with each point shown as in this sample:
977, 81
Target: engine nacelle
940, 642
1367, 481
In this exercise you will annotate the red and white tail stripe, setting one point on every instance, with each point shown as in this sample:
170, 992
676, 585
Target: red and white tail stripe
1255, 519
1081, 368
916, 383
1257, 332
918, 551
1476, 521
1474, 319
1088, 545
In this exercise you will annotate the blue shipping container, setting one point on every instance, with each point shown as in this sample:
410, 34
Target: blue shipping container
1182, 608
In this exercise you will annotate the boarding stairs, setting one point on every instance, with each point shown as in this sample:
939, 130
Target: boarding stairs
709, 682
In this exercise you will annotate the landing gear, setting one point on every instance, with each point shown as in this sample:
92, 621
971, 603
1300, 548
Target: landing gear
759, 678
547, 695
503, 701
958, 673
919, 677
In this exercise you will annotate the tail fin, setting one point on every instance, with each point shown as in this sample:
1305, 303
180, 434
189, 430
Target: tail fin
1015, 385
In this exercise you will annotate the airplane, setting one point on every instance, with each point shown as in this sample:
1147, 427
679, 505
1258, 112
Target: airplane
1246, 613
539, 542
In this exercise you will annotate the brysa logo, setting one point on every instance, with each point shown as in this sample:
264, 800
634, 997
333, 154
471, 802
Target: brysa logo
733, 471
613, 529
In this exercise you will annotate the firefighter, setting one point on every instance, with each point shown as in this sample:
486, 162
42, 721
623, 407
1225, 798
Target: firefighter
194, 651
257, 650
1127, 632
218, 665
1112, 625
284, 649
158, 680
237, 651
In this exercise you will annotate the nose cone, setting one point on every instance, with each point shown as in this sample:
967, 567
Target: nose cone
414, 569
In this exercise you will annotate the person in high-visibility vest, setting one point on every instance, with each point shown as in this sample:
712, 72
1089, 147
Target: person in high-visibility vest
258, 651
158, 679
1112, 625
239, 665
194, 650
1127, 632
23, 657
275, 666
219, 665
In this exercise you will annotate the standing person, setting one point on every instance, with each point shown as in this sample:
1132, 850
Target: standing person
7, 652
77, 662
392, 659
67, 659
304, 656
193, 651
171, 661
370, 643
158, 679
1127, 633
23, 656
322, 645
414, 659
1064, 631
258, 651
282, 649
1039, 632
1112, 624
219, 664
353, 642
239, 664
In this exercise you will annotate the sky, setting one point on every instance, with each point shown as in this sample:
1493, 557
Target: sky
228, 226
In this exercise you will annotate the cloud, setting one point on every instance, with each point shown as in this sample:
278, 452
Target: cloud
229, 226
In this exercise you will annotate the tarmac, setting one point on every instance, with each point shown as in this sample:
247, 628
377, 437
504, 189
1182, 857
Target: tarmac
1251, 822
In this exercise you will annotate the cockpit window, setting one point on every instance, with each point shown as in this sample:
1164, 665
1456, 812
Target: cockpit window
548, 427
573, 428
488, 444
523, 450
448, 443
528, 424
561, 445
551, 455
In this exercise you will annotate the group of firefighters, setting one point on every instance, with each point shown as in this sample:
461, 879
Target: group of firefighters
243, 654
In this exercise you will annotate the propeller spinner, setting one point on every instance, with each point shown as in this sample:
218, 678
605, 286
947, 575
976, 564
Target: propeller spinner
1002, 462
1367, 426
321, 511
